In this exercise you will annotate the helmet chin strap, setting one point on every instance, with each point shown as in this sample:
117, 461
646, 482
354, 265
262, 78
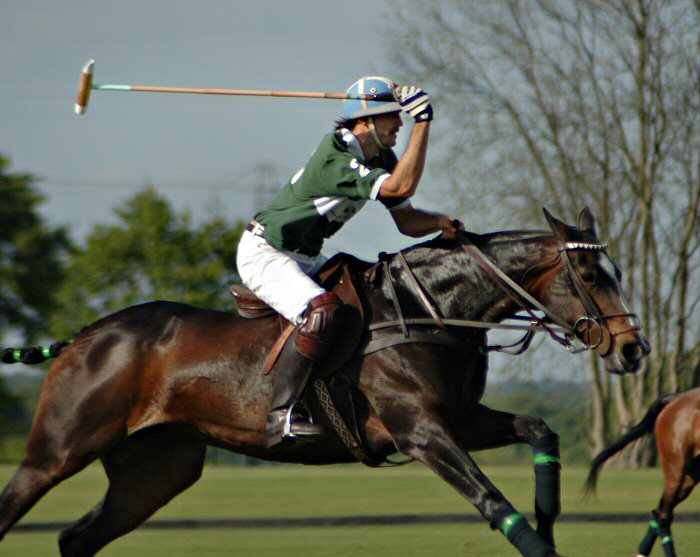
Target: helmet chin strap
370, 122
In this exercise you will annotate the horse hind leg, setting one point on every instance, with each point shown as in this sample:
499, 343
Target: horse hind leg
679, 481
547, 483
25, 488
145, 471
51, 458
77, 418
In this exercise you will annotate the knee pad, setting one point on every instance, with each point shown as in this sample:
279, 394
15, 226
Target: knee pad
322, 322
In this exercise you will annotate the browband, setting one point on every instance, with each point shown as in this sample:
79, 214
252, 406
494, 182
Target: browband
582, 245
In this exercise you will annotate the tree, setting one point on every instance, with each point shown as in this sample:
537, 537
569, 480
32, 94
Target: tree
153, 253
31, 256
573, 103
31, 269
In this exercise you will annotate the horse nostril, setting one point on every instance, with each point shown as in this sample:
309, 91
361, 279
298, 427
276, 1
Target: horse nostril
635, 351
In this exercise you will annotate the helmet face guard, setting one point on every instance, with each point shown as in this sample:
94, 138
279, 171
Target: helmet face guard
370, 85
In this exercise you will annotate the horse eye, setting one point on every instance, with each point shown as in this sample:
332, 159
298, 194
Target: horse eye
589, 278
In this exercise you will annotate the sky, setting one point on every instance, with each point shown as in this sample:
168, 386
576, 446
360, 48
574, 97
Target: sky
204, 153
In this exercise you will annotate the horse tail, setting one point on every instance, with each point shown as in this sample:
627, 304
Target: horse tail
644, 427
33, 354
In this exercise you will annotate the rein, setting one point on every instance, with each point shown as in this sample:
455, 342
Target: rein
520, 296
408, 336
561, 331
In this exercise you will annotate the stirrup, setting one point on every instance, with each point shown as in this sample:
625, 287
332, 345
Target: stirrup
292, 424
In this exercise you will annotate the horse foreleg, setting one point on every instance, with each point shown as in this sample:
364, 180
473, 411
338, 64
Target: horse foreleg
145, 471
433, 445
666, 537
499, 429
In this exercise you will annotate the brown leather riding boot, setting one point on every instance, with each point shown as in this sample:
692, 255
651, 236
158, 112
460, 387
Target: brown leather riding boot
313, 340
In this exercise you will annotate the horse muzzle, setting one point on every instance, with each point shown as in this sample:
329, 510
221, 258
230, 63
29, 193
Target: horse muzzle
628, 355
618, 339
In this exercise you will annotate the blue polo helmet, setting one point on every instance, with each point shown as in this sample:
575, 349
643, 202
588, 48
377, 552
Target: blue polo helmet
370, 85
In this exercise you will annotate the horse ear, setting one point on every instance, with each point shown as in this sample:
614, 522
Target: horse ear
559, 228
586, 222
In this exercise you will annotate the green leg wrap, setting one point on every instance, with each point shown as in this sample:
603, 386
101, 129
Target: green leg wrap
652, 533
518, 531
667, 541
547, 484
547, 477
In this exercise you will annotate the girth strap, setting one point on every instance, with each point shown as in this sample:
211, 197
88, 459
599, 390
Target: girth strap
339, 425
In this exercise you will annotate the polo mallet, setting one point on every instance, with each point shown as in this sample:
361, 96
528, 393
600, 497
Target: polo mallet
86, 86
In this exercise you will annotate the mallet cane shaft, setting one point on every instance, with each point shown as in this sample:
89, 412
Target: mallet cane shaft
86, 86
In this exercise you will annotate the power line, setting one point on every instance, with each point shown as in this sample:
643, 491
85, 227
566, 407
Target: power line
262, 181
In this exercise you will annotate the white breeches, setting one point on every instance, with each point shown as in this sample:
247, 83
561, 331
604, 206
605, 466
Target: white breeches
282, 279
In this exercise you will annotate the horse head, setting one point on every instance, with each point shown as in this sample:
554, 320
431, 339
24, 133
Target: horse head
600, 316
568, 276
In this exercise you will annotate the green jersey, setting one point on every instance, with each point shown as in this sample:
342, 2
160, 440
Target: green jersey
333, 186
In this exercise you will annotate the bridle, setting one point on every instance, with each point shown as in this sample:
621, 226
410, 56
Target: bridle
588, 332
594, 323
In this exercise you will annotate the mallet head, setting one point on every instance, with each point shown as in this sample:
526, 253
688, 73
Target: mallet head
85, 87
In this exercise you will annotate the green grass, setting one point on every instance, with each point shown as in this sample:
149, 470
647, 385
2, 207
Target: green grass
453, 540
354, 490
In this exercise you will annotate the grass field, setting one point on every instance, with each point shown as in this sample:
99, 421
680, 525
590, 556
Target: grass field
352, 491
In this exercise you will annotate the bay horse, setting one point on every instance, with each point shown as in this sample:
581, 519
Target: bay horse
675, 421
146, 389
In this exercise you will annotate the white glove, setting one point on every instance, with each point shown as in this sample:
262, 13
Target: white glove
415, 102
